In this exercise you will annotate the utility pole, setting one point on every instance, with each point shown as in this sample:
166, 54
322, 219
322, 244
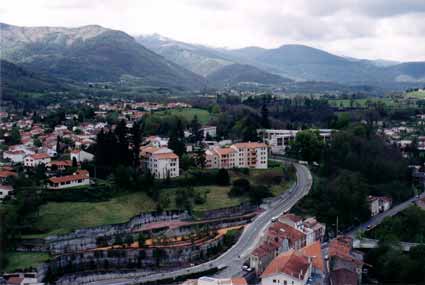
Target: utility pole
337, 225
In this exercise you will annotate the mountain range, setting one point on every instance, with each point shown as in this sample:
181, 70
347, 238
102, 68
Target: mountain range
297, 62
91, 54
97, 54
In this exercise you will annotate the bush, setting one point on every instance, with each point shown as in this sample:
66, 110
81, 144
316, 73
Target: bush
269, 177
240, 187
258, 193
223, 178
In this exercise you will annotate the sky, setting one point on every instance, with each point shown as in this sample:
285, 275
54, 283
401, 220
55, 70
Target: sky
371, 29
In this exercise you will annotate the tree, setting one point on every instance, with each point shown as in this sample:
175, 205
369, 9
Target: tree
222, 177
14, 136
265, 121
307, 145
195, 128
176, 141
240, 187
136, 139
141, 239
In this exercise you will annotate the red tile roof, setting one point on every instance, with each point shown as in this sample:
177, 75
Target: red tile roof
7, 173
289, 263
343, 276
81, 174
314, 250
39, 155
15, 280
249, 145
239, 281
169, 155
65, 163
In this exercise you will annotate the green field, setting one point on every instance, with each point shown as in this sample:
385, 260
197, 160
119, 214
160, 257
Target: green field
24, 260
416, 94
60, 218
360, 103
188, 114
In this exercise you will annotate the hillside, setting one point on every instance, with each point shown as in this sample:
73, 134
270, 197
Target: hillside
236, 74
196, 58
91, 54
16, 79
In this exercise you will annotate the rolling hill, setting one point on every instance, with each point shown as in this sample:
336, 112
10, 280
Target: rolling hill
236, 74
16, 79
91, 54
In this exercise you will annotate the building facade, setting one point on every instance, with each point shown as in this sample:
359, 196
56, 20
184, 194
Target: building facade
80, 178
238, 155
161, 162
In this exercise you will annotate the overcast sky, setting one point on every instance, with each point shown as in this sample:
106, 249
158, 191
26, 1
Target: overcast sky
387, 29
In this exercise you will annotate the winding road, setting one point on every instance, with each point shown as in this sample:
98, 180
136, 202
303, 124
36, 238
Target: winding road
231, 261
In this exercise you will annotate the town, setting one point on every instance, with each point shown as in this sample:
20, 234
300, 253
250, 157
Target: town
212, 142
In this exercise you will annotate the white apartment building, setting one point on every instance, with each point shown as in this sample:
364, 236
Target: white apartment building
279, 140
209, 131
4, 191
81, 155
80, 178
36, 159
161, 162
238, 155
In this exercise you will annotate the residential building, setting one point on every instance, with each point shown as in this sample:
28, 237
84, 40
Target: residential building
379, 204
279, 140
5, 191
342, 276
36, 159
209, 132
342, 256
289, 268
238, 155
6, 174
15, 156
161, 162
81, 155
60, 165
288, 232
80, 178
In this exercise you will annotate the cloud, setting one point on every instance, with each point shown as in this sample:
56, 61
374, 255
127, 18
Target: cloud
391, 29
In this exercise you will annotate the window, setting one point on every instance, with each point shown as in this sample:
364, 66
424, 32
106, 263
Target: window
285, 282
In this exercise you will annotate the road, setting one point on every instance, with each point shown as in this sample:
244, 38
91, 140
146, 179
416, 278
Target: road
376, 220
232, 260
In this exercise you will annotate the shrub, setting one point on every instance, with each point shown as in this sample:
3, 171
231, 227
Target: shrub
240, 187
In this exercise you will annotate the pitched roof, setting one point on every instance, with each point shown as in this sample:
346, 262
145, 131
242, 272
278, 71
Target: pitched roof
314, 250
7, 173
224, 150
292, 217
169, 155
81, 174
15, 280
249, 145
239, 281
64, 163
289, 263
39, 156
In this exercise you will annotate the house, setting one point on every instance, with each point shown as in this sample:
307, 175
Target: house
21, 278
342, 256
60, 165
161, 162
342, 276
15, 156
36, 159
80, 178
216, 281
379, 204
81, 155
238, 155
209, 132
6, 174
5, 191
289, 268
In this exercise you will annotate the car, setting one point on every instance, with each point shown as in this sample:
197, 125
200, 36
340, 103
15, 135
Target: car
245, 267
274, 219
249, 269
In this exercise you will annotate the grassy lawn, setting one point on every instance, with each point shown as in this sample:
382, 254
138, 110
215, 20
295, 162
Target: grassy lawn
188, 114
59, 218
361, 103
23, 260
416, 94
